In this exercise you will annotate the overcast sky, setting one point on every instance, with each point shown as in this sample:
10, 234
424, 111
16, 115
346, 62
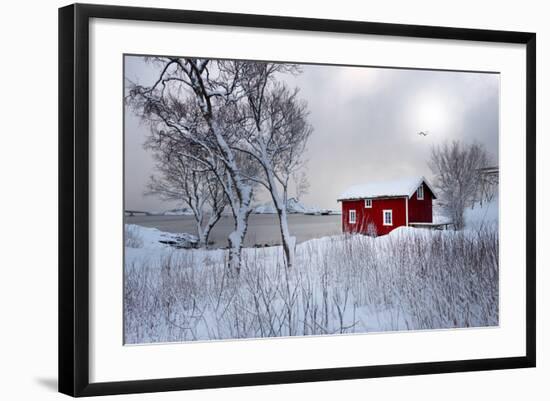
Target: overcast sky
365, 123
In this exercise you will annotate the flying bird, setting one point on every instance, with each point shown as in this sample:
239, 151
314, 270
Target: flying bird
423, 133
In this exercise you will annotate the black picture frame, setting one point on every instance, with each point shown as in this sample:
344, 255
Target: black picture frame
74, 201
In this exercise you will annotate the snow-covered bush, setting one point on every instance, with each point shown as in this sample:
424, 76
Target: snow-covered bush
409, 280
459, 179
132, 237
371, 230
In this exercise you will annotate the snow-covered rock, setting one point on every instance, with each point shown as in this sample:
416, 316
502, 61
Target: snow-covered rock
147, 237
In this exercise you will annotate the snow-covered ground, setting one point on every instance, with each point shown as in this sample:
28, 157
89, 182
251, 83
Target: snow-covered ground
407, 280
482, 214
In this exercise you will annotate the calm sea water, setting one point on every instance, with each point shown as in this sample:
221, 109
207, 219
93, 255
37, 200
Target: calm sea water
263, 229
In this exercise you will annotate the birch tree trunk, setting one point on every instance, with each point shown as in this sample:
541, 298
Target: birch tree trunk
200, 233
288, 242
236, 241
280, 202
239, 193
212, 221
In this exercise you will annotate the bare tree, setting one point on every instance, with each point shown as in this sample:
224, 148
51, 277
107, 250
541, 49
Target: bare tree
276, 140
238, 116
456, 168
488, 186
301, 184
183, 179
193, 101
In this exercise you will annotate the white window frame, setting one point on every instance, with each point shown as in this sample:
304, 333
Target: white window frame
390, 211
353, 213
368, 203
420, 192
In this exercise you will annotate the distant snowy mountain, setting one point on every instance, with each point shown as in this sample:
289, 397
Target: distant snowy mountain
294, 206
265, 208
178, 212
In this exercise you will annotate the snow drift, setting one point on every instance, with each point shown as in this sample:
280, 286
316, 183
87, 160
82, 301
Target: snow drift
411, 279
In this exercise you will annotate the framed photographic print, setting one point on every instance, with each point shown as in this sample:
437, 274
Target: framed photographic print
250, 199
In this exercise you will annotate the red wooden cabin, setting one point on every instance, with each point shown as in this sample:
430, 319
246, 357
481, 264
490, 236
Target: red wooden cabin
379, 207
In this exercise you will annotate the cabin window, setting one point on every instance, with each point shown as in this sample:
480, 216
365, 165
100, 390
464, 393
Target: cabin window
368, 203
420, 192
352, 217
387, 217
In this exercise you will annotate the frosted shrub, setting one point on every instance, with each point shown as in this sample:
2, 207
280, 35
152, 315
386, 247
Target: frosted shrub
132, 238
410, 280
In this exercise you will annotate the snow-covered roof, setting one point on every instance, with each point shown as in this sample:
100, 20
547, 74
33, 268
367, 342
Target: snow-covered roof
385, 189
